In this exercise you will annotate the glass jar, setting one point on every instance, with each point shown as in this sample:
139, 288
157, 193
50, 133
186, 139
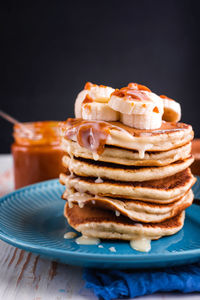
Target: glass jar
36, 151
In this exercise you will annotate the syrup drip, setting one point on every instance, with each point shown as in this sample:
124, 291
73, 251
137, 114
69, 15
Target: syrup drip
112, 249
129, 93
98, 180
70, 235
91, 135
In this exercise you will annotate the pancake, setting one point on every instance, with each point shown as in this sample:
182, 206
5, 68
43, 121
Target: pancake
94, 135
90, 168
121, 156
98, 223
135, 210
195, 167
165, 190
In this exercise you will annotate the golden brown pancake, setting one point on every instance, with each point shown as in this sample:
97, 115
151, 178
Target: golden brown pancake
164, 190
195, 167
139, 211
98, 223
91, 168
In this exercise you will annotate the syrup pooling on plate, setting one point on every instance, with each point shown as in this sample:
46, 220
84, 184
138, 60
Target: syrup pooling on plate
86, 240
70, 235
141, 244
112, 249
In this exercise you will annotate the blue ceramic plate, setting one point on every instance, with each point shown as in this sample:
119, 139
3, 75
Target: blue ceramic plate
32, 219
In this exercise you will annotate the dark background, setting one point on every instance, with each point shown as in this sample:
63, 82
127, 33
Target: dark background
50, 49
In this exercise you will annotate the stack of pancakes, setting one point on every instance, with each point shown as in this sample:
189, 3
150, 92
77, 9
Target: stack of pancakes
126, 183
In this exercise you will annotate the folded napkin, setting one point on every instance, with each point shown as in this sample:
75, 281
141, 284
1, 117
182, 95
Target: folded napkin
112, 284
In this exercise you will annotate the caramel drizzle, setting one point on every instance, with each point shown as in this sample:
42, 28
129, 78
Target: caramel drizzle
87, 99
165, 97
139, 87
89, 85
89, 134
133, 91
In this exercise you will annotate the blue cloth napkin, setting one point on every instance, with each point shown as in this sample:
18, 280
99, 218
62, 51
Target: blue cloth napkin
112, 284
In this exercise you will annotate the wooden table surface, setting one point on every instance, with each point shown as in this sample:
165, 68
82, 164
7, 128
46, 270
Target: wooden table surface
25, 276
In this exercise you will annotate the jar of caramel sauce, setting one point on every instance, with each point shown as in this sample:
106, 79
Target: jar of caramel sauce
36, 151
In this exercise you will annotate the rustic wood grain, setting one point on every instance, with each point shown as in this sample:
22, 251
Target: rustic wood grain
26, 276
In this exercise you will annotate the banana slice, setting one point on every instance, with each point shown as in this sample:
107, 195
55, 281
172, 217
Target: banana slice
138, 106
172, 109
78, 103
91, 103
146, 121
99, 93
99, 111
130, 101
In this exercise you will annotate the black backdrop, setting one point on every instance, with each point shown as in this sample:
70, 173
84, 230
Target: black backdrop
49, 49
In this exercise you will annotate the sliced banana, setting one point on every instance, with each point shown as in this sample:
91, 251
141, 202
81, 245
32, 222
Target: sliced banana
131, 101
92, 103
146, 121
172, 109
134, 105
99, 111
99, 93
78, 103
138, 106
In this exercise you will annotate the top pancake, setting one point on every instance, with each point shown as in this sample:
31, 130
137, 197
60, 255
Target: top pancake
94, 135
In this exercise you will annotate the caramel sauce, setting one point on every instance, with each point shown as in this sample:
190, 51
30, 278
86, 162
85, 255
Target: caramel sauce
86, 102
36, 152
165, 97
89, 134
156, 110
139, 87
131, 93
38, 133
89, 85
87, 99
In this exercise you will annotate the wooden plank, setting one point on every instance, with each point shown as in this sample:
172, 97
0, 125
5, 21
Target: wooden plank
26, 276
